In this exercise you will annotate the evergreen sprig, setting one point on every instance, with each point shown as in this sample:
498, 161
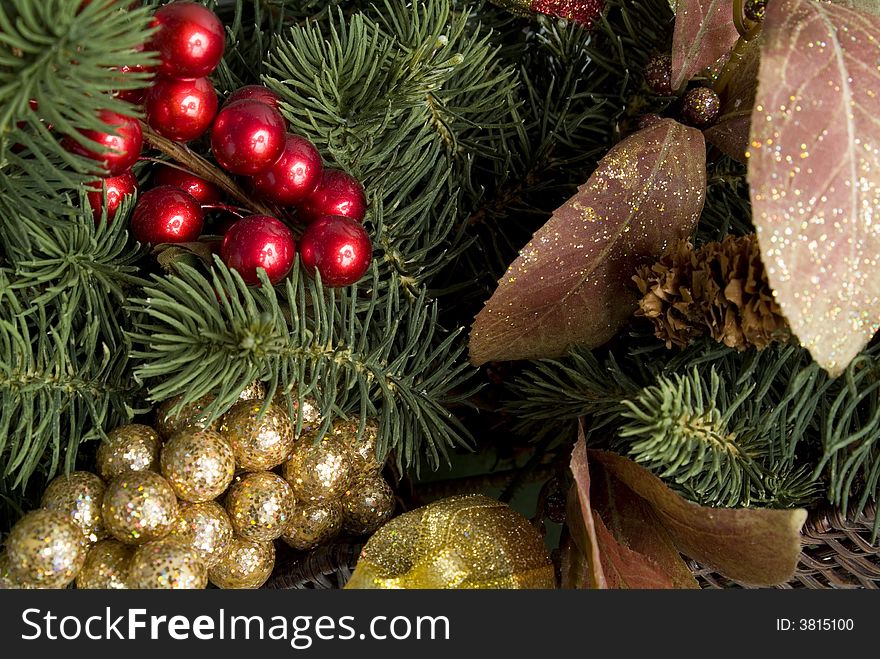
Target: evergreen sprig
58, 66
354, 351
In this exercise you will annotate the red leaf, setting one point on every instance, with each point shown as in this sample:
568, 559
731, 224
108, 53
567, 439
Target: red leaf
814, 173
704, 31
572, 283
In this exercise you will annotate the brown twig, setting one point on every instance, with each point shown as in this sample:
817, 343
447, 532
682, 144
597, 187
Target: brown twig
204, 169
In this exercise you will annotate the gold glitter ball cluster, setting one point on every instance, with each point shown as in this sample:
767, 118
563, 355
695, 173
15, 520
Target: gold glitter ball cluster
189, 502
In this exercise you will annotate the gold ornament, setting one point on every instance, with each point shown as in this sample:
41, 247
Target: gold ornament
7, 581
198, 464
134, 447
363, 450
191, 416
259, 443
256, 390
167, 564
206, 528
318, 472
45, 549
313, 523
308, 413
79, 496
106, 566
245, 564
139, 507
468, 541
367, 504
260, 506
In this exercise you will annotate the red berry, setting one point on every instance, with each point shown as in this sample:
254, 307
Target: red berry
338, 193
166, 215
202, 191
259, 241
247, 137
190, 40
294, 176
134, 96
254, 93
124, 147
338, 248
117, 188
181, 110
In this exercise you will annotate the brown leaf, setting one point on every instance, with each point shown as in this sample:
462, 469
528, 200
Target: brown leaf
730, 132
704, 31
754, 546
814, 173
635, 552
580, 517
571, 283
635, 528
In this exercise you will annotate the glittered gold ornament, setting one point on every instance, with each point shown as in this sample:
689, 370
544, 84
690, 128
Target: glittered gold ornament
256, 390
363, 449
7, 581
206, 528
198, 464
244, 564
139, 506
45, 549
321, 471
367, 504
167, 564
307, 414
313, 523
133, 447
106, 566
191, 416
260, 506
78, 495
468, 541
258, 443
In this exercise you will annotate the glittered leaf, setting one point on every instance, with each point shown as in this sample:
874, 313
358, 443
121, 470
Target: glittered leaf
572, 283
704, 31
754, 546
814, 173
730, 132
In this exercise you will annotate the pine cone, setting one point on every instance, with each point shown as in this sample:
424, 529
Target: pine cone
719, 289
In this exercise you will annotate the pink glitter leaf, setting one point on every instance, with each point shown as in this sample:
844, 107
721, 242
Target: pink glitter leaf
814, 173
572, 283
704, 32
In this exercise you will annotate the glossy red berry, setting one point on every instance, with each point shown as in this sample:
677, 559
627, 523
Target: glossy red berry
254, 93
181, 110
338, 193
247, 137
166, 214
202, 191
294, 176
259, 241
117, 189
339, 248
190, 40
124, 146
134, 96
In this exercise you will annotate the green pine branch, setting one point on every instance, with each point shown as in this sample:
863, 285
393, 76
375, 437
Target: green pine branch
353, 350
63, 60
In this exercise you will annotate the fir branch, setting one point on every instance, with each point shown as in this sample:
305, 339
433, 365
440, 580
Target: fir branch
351, 349
58, 387
62, 60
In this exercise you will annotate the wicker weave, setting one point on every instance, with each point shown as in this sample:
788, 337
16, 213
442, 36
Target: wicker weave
327, 567
837, 553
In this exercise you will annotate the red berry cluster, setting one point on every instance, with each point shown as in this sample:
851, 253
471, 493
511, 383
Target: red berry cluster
247, 138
